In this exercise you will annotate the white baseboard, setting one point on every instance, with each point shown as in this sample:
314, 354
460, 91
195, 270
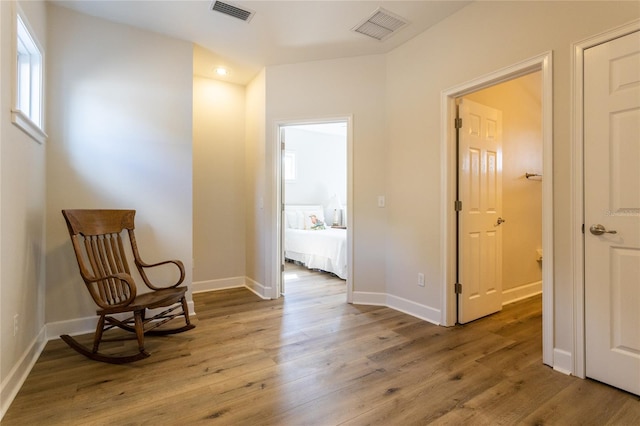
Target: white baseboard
220, 284
367, 298
257, 288
20, 371
417, 310
562, 361
234, 282
72, 327
87, 325
521, 292
406, 306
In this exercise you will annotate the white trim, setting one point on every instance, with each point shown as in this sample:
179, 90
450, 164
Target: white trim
548, 285
219, 284
562, 361
543, 63
21, 120
86, 325
73, 327
424, 312
227, 283
409, 307
18, 117
18, 375
277, 243
521, 292
260, 290
369, 298
577, 186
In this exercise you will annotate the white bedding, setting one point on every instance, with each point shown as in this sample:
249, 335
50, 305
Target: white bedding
324, 249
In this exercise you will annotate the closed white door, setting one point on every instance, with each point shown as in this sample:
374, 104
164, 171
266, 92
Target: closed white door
612, 212
480, 225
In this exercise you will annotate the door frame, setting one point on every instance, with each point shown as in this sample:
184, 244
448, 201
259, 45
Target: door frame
277, 206
577, 187
542, 63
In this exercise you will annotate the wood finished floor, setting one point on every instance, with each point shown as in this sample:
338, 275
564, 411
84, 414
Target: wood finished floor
312, 359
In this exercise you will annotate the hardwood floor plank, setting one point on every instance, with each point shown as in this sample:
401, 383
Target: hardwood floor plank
501, 404
311, 358
581, 402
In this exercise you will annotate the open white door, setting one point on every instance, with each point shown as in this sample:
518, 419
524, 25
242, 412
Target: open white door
480, 224
612, 212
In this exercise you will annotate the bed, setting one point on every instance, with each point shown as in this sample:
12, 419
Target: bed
310, 241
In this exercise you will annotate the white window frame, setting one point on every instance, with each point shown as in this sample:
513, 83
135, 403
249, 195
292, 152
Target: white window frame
28, 93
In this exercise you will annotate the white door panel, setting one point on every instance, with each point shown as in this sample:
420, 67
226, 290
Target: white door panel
480, 234
612, 200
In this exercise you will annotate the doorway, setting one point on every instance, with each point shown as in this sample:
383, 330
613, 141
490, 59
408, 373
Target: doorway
542, 63
500, 189
314, 182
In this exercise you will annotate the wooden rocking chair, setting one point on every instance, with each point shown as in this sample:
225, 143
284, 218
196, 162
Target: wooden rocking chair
99, 249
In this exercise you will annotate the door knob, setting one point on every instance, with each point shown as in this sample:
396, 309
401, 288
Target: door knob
500, 221
599, 230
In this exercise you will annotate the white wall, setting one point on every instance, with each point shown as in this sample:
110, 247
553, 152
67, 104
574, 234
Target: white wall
479, 39
120, 136
218, 183
22, 210
337, 88
321, 167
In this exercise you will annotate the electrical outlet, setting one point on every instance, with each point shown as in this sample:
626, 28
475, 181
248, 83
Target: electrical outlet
15, 324
420, 279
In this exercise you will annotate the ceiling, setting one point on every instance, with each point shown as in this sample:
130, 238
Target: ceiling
280, 32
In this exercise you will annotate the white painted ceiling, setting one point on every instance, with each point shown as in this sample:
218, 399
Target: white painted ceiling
281, 32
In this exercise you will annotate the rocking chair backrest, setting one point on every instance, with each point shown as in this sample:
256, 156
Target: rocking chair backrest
99, 250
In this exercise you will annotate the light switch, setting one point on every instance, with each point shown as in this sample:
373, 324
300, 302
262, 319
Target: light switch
381, 201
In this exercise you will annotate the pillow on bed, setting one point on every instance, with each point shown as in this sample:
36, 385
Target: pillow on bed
314, 220
290, 219
293, 219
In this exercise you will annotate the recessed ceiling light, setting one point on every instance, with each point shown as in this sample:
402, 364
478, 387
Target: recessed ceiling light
221, 71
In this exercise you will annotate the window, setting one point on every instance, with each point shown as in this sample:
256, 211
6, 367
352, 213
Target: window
289, 165
27, 112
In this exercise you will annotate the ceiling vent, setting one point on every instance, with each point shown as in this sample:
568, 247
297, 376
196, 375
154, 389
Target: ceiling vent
235, 11
381, 25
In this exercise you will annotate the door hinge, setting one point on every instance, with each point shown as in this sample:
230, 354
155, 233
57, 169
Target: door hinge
282, 268
458, 205
458, 288
282, 146
583, 228
458, 123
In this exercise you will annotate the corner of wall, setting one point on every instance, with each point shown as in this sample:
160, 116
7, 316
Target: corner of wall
424, 312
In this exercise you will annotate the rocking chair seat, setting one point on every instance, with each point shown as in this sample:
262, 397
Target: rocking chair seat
97, 239
155, 299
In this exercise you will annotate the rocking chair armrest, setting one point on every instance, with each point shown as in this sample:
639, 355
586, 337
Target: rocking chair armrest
141, 265
124, 278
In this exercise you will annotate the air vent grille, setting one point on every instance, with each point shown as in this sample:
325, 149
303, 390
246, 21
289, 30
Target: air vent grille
235, 11
381, 25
